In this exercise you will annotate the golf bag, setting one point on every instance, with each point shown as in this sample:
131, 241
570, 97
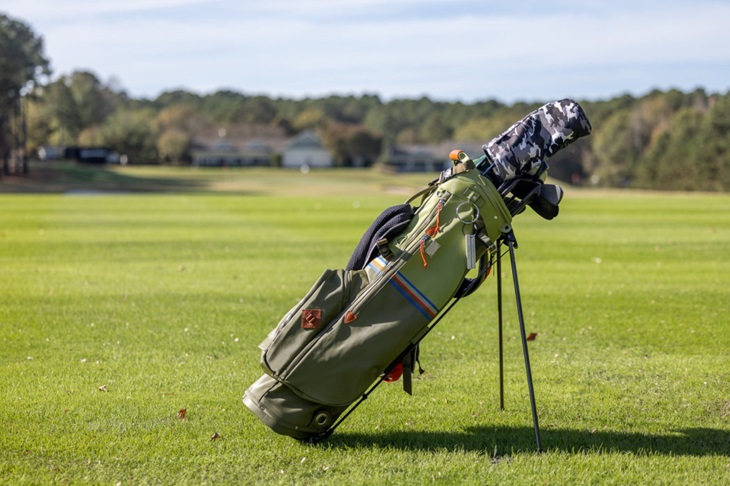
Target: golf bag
362, 325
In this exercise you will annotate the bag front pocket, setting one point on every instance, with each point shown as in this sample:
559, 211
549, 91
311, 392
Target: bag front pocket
332, 292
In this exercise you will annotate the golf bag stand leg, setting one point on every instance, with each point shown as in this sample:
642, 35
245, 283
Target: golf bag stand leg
499, 313
511, 242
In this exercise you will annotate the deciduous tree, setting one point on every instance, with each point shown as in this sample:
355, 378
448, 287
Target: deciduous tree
22, 66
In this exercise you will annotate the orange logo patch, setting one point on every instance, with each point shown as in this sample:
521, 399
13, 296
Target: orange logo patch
311, 318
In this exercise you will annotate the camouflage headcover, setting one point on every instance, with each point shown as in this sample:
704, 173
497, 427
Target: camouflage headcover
521, 148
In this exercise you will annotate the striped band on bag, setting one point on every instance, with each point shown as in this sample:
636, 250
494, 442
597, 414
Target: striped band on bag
406, 289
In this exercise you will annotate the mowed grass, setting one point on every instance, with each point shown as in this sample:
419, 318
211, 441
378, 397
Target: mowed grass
118, 311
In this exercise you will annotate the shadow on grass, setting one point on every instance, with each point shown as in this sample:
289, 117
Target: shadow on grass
502, 440
78, 178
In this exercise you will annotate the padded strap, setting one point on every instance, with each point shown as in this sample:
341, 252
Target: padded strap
390, 222
470, 285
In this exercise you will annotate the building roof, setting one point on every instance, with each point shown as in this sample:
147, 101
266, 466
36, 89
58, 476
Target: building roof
305, 140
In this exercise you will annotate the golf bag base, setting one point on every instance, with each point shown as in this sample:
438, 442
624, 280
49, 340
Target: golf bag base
287, 413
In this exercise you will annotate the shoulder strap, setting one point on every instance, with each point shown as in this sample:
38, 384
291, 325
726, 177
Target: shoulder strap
390, 222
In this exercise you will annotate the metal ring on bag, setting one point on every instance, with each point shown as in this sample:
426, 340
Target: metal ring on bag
322, 419
476, 210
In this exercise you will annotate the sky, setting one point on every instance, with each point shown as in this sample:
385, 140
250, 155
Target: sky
450, 50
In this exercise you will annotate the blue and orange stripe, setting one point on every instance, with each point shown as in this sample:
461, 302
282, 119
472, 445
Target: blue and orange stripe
407, 289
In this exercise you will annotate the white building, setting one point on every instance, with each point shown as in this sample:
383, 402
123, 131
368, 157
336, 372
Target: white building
226, 154
306, 150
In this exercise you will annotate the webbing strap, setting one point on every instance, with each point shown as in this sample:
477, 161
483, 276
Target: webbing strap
408, 373
409, 363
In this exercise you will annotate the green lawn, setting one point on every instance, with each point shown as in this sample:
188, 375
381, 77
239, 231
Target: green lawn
117, 311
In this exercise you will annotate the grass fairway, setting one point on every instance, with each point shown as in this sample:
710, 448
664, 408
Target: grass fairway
118, 311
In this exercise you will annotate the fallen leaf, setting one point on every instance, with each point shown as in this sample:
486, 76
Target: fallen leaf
532, 336
182, 414
215, 436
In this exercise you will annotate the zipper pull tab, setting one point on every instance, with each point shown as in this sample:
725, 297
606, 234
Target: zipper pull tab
470, 248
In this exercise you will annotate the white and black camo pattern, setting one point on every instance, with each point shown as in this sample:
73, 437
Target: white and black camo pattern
520, 149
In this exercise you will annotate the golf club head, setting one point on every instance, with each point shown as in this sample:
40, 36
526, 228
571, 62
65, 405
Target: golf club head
547, 202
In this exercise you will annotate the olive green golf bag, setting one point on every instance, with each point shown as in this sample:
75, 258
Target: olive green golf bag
362, 325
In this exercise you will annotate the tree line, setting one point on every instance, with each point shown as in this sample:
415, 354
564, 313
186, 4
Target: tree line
668, 140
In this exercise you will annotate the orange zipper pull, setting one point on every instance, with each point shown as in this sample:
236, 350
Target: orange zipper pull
423, 252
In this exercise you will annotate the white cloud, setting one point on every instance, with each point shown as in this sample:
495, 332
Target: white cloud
84, 9
296, 47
